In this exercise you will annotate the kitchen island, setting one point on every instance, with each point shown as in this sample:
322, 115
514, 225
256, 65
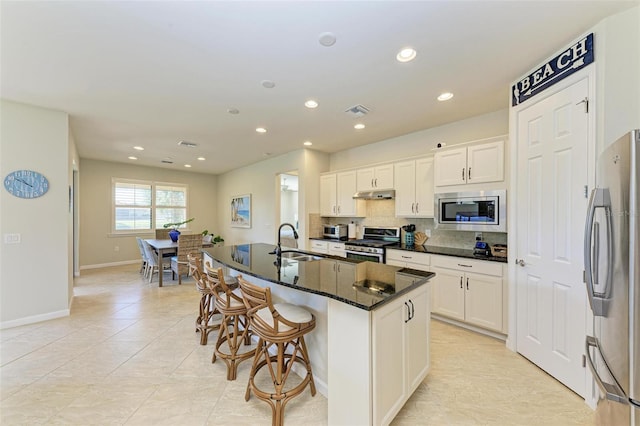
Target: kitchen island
370, 348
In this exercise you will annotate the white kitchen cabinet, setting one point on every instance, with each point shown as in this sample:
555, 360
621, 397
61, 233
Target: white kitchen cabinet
468, 290
371, 178
319, 246
338, 277
408, 259
401, 340
414, 187
336, 195
337, 249
479, 163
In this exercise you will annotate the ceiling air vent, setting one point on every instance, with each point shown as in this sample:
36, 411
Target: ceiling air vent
187, 144
357, 111
167, 161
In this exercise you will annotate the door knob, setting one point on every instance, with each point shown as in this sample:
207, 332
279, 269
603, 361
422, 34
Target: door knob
520, 262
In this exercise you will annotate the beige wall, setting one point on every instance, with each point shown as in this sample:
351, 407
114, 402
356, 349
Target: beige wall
35, 280
617, 54
260, 180
98, 246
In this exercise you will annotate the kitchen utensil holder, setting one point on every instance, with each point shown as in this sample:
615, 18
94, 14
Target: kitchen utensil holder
408, 239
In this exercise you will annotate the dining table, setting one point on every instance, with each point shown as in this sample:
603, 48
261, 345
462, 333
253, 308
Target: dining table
162, 247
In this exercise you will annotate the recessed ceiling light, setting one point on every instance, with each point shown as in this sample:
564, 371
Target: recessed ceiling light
133, 158
311, 104
407, 54
307, 143
201, 158
359, 126
187, 165
268, 84
233, 111
138, 148
327, 39
445, 96
261, 130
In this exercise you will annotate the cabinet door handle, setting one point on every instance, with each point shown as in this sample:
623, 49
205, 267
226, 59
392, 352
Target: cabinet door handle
461, 282
417, 211
467, 283
372, 183
463, 174
408, 313
465, 266
334, 209
338, 209
413, 310
413, 207
406, 257
469, 173
376, 182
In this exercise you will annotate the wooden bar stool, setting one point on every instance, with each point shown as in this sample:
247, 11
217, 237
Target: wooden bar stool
281, 326
234, 327
207, 308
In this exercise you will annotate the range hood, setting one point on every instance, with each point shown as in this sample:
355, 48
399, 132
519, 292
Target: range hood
387, 194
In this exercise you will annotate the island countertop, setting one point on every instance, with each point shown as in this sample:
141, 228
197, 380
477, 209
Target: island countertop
365, 285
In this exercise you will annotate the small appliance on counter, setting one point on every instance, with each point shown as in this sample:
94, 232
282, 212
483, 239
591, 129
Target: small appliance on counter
482, 249
338, 232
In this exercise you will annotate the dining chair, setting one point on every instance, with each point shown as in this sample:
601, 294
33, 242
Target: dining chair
162, 234
153, 265
143, 255
187, 243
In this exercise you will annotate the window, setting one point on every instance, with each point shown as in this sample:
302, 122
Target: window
143, 206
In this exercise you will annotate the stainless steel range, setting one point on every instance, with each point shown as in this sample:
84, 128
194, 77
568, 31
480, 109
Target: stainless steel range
372, 246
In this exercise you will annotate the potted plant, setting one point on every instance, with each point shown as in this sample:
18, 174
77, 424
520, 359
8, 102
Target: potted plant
218, 240
174, 233
206, 237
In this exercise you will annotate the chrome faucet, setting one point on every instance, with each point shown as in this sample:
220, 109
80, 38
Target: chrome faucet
278, 250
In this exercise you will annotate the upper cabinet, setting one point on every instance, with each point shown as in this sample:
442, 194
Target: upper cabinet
336, 195
414, 187
372, 178
471, 164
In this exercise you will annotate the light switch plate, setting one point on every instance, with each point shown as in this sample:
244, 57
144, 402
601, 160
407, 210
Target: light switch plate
12, 238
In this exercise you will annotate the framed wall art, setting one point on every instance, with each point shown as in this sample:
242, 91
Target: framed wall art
241, 211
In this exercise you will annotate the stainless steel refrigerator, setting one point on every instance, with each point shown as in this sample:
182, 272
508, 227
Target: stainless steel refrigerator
612, 269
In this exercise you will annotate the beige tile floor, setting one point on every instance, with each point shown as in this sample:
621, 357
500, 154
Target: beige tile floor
128, 354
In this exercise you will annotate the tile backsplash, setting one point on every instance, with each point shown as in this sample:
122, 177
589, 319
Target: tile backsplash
382, 213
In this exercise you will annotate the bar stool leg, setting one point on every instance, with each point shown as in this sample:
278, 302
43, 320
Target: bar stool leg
234, 329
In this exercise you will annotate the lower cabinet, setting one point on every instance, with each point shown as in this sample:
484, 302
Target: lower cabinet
337, 249
400, 352
408, 259
318, 246
476, 297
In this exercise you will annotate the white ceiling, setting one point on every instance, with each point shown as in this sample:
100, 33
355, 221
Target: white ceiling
154, 73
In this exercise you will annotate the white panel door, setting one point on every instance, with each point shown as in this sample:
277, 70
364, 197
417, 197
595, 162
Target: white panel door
551, 207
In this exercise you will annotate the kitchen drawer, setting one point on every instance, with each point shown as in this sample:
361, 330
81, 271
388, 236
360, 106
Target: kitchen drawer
320, 246
468, 265
409, 257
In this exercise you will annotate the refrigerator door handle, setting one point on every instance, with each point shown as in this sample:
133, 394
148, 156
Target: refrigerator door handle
600, 198
612, 391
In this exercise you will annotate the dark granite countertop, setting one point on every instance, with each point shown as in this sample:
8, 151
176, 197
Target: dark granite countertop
448, 251
365, 285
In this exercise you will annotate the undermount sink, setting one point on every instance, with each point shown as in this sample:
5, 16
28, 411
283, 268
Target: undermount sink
300, 257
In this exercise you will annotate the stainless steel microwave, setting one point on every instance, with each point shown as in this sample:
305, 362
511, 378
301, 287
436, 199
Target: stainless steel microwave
472, 211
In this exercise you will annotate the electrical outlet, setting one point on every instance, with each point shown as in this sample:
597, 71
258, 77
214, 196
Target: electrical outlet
12, 238
478, 236
116, 248
427, 232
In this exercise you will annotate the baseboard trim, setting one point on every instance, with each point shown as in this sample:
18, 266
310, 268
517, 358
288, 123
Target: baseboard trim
34, 319
106, 265
470, 327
